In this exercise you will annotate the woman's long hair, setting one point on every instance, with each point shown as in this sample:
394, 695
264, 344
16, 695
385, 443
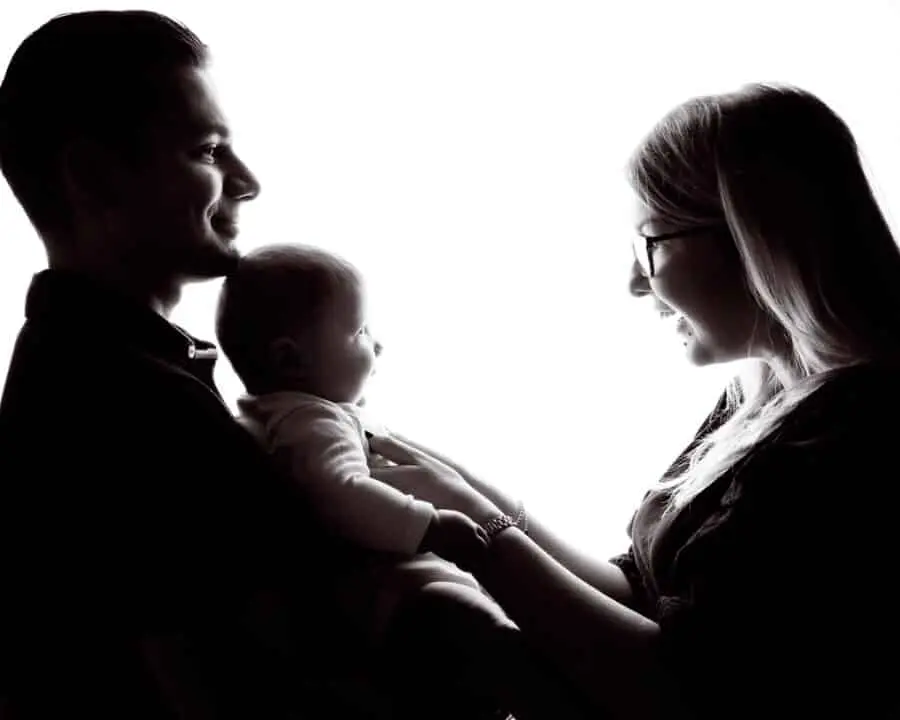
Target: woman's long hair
783, 172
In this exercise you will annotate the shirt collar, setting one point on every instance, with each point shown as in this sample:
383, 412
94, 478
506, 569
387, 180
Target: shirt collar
88, 307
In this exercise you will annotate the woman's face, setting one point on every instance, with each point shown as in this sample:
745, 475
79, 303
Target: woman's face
698, 284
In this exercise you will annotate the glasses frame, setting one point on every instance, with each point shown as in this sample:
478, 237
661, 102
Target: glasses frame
643, 245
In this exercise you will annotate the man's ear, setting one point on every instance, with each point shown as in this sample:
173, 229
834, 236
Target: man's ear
93, 174
290, 358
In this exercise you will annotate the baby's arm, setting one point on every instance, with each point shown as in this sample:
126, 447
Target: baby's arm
454, 536
321, 448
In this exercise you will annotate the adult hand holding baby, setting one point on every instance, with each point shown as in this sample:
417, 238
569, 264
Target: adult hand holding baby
428, 478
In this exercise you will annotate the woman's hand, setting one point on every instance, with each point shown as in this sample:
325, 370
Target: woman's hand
498, 497
427, 478
434, 454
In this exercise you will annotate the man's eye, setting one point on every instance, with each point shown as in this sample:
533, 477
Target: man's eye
209, 152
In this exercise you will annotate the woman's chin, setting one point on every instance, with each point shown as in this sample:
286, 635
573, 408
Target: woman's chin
697, 352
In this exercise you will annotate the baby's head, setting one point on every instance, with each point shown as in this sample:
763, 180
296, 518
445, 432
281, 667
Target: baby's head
293, 317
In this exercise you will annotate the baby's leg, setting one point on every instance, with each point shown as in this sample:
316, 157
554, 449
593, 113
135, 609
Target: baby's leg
460, 655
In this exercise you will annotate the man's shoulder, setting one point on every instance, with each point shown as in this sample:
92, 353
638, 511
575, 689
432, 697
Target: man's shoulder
51, 383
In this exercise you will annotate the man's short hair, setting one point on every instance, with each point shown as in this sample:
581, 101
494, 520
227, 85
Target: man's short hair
98, 75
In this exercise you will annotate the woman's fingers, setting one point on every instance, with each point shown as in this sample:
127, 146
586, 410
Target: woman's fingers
399, 477
412, 444
396, 450
433, 454
400, 437
439, 485
419, 482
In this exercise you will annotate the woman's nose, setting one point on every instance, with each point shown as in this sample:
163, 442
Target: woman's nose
638, 285
378, 348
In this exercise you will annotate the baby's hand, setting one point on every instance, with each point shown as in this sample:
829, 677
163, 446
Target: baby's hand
455, 537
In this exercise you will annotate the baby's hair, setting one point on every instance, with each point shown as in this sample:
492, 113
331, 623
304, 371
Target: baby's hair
275, 291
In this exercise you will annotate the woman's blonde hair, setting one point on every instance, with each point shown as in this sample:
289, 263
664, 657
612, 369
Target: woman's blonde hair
777, 166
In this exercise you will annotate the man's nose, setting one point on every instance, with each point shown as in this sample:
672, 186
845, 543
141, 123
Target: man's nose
241, 183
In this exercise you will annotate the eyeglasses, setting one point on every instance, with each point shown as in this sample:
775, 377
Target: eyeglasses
644, 245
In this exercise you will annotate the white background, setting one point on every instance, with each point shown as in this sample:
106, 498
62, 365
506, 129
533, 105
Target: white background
468, 156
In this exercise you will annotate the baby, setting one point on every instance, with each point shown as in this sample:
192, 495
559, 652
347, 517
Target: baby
292, 321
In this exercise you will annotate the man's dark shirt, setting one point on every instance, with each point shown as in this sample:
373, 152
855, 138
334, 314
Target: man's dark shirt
132, 508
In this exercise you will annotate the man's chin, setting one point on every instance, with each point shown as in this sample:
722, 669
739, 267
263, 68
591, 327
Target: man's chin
216, 262
210, 268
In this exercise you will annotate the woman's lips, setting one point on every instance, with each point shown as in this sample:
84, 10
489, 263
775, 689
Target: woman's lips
676, 321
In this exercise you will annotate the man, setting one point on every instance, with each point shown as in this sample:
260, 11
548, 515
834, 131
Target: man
141, 527
153, 565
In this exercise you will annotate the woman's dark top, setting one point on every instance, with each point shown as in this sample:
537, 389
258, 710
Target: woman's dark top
772, 587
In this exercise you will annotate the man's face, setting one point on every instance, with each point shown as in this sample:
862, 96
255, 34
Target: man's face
179, 214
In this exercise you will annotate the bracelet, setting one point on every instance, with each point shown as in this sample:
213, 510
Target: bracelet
521, 519
499, 523
496, 525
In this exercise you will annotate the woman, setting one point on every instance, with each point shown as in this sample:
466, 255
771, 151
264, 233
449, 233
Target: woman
751, 587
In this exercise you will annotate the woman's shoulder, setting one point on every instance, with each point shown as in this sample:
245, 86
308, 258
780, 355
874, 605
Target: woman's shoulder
835, 443
874, 374
853, 398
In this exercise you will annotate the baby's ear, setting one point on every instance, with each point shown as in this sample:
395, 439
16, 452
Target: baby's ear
289, 358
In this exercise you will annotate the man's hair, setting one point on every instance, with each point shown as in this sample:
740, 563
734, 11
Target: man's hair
277, 291
100, 76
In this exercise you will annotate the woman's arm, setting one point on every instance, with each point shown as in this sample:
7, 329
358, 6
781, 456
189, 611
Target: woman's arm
597, 572
609, 651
